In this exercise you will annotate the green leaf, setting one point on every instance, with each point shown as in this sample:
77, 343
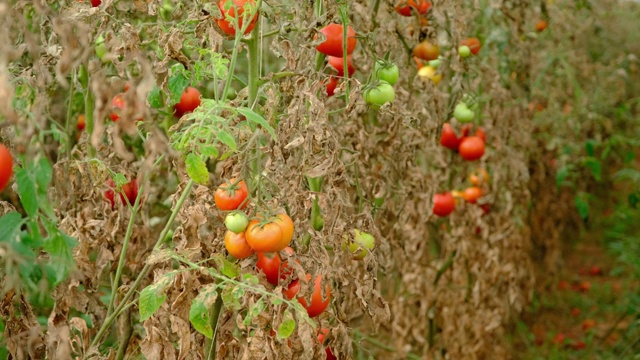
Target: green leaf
227, 139
209, 150
177, 83
561, 175
595, 166
44, 173
154, 98
276, 300
153, 296
59, 246
27, 192
197, 169
199, 312
285, 330
250, 279
226, 267
10, 226
582, 205
257, 119
255, 310
590, 145
120, 180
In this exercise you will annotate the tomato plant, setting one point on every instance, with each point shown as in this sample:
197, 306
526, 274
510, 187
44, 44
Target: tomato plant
473, 44
317, 304
338, 64
118, 104
332, 45
464, 51
479, 177
6, 166
237, 246
426, 50
443, 204
228, 10
231, 195
189, 101
471, 148
236, 222
386, 71
379, 95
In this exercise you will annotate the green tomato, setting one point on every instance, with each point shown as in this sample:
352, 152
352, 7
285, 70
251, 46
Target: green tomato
379, 95
464, 51
236, 222
361, 245
435, 63
386, 71
462, 113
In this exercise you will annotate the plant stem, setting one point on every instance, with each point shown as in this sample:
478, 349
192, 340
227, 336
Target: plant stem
254, 64
146, 269
124, 340
88, 116
214, 315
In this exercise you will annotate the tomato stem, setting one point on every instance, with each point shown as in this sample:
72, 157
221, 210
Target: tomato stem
214, 315
254, 62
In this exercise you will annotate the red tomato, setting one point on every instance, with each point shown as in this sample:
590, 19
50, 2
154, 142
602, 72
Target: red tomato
471, 148
264, 237
81, 122
231, 195
331, 85
449, 139
321, 336
236, 245
473, 44
332, 46
96, 3
130, 190
273, 267
588, 324
541, 25
317, 305
338, 64
472, 194
480, 133
426, 51
119, 103
6, 166
443, 204
228, 27
189, 101
404, 7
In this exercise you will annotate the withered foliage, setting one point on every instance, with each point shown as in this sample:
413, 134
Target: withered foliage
431, 286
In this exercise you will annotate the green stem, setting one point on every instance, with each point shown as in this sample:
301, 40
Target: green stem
88, 116
214, 315
123, 253
124, 341
145, 270
254, 64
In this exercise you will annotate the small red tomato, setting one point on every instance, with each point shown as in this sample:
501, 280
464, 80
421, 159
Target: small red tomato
541, 25
338, 64
130, 190
443, 204
404, 7
558, 339
229, 27
321, 336
449, 139
332, 46
189, 101
118, 103
575, 312
81, 122
426, 51
481, 134
584, 286
231, 195
96, 3
6, 166
471, 148
579, 345
331, 85
595, 271
473, 44
563, 285
472, 194
317, 305
588, 324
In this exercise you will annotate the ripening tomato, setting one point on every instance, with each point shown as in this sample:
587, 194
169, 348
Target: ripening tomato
331, 85
338, 64
317, 305
472, 194
231, 195
449, 139
189, 101
227, 9
332, 46
426, 51
321, 336
473, 44
236, 245
264, 237
471, 148
286, 226
404, 7
6, 166
541, 25
81, 122
443, 204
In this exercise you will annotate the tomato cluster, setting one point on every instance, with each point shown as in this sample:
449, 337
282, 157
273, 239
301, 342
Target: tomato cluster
470, 148
380, 89
405, 7
332, 47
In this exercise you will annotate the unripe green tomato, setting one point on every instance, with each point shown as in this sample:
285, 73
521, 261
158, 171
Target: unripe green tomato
435, 63
379, 95
464, 51
386, 71
236, 222
462, 113
361, 245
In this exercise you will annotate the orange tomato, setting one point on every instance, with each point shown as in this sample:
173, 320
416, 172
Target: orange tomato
426, 51
231, 195
237, 245
81, 122
472, 194
480, 176
286, 225
541, 25
264, 237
